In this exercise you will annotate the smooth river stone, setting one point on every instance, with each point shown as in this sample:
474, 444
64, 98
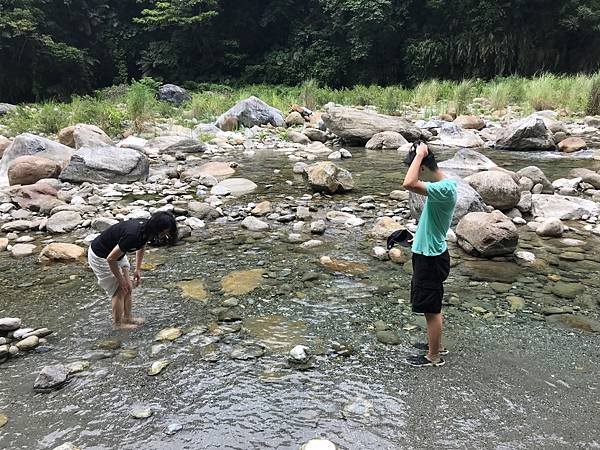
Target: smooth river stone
168, 334
143, 413
3, 420
51, 377
247, 351
158, 366
339, 265
234, 186
10, 323
195, 289
242, 281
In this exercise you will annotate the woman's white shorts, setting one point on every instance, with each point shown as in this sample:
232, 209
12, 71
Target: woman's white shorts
100, 267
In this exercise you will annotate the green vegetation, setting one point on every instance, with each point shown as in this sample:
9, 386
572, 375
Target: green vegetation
134, 107
53, 50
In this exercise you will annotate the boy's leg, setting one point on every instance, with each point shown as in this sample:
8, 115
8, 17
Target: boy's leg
434, 334
127, 317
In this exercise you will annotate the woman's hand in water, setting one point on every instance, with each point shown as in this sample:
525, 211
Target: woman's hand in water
137, 278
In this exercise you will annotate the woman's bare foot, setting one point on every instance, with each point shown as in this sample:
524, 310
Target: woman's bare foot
135, 320
124, 326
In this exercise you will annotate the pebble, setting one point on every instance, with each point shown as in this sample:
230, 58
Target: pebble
168, 334
158, 366
143, 413
173, 428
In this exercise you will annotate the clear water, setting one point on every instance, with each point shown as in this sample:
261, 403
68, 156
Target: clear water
511, 382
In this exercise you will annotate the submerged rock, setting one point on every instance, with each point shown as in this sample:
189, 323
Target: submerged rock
575, 321
51, 377
168, 334
158, 366
247, 351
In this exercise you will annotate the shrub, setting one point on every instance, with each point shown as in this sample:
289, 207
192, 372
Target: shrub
141, 103
593, 102
309, 93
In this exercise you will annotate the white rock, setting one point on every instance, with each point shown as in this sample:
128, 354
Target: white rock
194, 223
254, 224
380, 253
311, 244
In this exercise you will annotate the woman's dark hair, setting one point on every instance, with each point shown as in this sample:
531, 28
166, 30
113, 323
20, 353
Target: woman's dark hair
429, 161
159, 222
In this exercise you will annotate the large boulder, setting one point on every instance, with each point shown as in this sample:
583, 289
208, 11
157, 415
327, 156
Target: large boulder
468, 200
386, 140
173, 94
106, 165
5, 108
30, 144
250, 112
63, 222
451, 136
40, 197
470, 122
4, 143
326, 177
218, 170
487, 234
173, 144
563, 207
587, 176
529, 133
30, 169
497, 188
536, 175
83, 135
357, 126
60, 252
466, 162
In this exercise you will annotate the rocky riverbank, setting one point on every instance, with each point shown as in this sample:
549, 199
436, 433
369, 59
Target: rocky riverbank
294, 212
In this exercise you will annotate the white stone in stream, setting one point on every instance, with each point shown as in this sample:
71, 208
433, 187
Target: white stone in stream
3, 244
380, 253
339, 217
254, 224
22, 250
519, 221
552, 227
335, 156
295, 238
400, 196
299, 354
570, 242
570, 184
21, 332
10, 323
562, 207
67, 446
194, 223
300, 167
234, 186
345, 153
319, 444
139, 214
525, 256
318, 227
354, 222
313, 243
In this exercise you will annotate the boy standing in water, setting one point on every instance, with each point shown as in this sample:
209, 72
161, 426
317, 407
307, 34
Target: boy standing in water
430, 258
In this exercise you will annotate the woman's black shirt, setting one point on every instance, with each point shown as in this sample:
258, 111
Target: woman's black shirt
127, 235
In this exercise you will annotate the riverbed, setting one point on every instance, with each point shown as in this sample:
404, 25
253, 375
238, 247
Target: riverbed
514, 378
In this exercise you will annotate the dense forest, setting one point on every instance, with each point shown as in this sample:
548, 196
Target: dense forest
52, 49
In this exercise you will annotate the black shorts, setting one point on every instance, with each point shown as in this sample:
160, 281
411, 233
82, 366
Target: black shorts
427, 286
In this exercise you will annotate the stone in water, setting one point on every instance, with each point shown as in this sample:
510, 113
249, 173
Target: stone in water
158, 366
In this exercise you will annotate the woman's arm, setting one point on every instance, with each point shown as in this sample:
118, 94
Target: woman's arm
139, 257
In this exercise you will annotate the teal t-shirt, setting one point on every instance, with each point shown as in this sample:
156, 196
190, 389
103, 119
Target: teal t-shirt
430, 238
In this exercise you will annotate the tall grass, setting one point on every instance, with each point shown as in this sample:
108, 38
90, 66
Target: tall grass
141, 104
116, 108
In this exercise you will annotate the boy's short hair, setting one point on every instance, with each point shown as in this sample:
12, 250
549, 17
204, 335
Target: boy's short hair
429, 161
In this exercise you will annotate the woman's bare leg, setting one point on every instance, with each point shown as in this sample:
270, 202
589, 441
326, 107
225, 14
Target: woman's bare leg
127, 317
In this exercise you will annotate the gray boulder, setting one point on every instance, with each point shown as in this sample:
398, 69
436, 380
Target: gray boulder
562, 207
357, 126
173, 94
529, 133
203, 211
468, 200
536, 175
386, 140
497, 188
106, 165
466, 162
451, 136
487, 234
63, 222
6, 108
173, 144
83, 135
30, 144
252, 111
51, 377
327, 177
587, 176
314, 134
